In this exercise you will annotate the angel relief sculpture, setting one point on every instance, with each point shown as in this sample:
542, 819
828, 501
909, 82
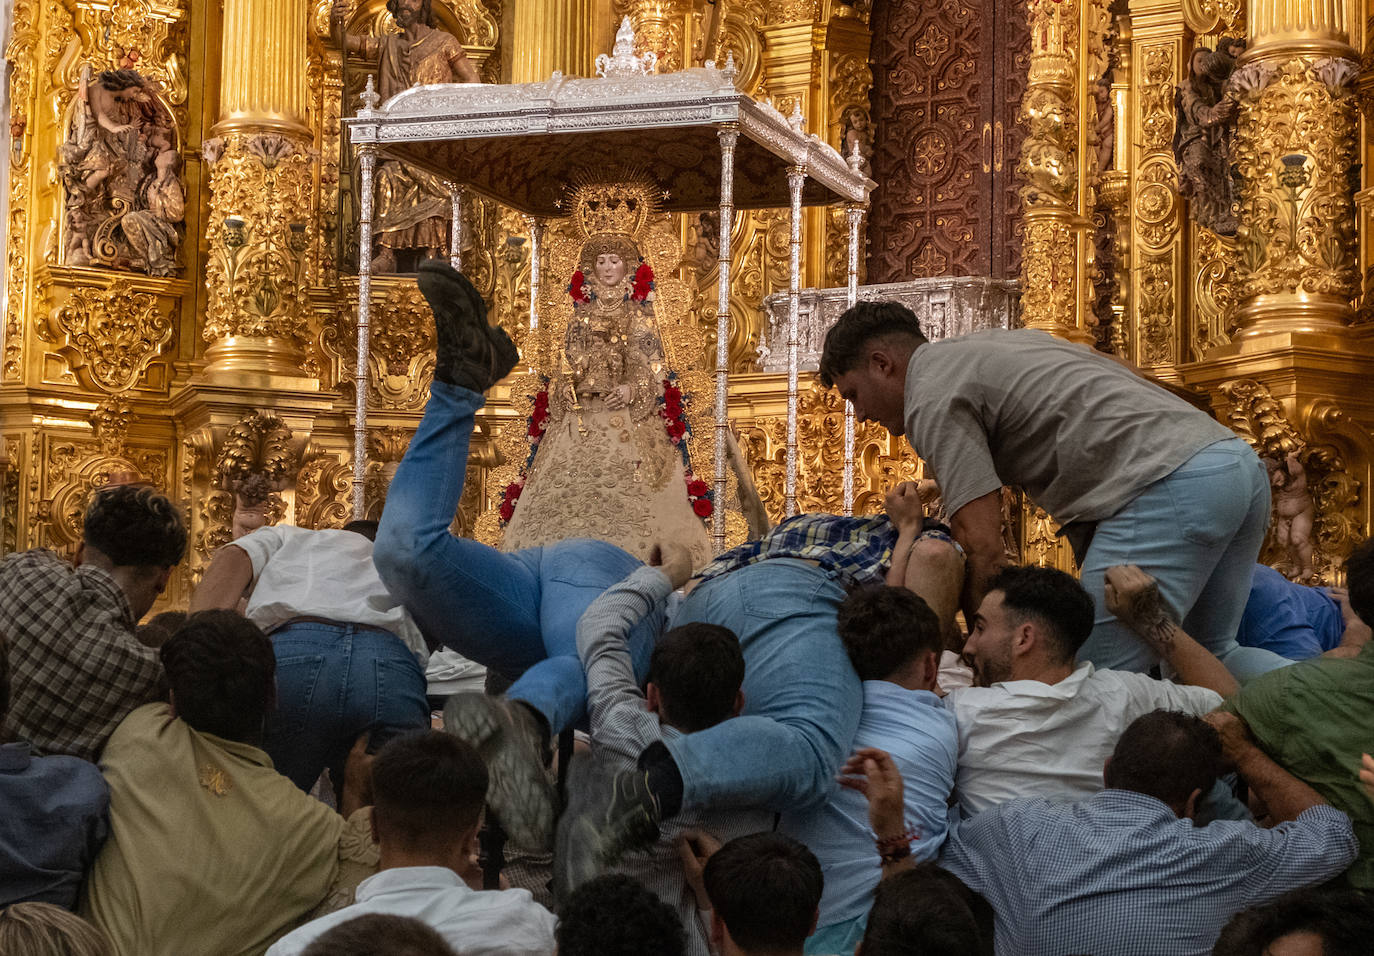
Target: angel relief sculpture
119, 166
612, 448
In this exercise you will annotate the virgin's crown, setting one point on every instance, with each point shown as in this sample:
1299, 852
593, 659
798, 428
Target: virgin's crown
623, 206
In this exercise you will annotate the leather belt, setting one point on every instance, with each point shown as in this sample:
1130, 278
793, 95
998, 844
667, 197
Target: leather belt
312, 619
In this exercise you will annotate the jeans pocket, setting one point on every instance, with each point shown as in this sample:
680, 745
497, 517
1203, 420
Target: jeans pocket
297, 680
400, 699
1210, 502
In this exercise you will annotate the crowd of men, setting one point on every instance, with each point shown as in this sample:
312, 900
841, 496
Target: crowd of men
854, 735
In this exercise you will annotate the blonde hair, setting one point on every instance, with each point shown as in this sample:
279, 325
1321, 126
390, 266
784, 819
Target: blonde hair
42, 929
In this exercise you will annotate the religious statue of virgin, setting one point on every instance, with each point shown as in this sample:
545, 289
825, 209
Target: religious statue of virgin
609, 434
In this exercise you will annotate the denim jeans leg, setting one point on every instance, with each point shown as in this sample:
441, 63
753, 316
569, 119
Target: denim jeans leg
311, 664
801, 696
572, 574
479, 601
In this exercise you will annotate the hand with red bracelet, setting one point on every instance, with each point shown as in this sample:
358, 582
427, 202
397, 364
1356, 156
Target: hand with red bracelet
873, 773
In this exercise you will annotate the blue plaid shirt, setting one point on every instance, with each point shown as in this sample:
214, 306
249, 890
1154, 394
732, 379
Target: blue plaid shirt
1118, 874
855, 550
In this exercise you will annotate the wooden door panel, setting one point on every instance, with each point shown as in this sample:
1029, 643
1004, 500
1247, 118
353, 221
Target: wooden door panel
1010, 66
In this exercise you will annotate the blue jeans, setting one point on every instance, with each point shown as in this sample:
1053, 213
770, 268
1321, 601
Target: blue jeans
1198, 531
802, 698
514, 613
333, 683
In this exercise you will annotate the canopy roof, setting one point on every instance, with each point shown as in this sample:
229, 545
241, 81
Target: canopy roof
522, 144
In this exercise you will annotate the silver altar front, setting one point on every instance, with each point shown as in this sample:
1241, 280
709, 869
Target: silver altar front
522, 144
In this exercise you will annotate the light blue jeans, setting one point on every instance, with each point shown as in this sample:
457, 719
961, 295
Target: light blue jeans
1198, 531
514, 613
334, 682
802, 698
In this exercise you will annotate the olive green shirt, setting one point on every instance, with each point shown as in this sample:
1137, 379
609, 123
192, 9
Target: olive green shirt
1315, 718
1081, 433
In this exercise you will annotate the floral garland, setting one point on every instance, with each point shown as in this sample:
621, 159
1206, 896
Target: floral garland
675, 423
537, 422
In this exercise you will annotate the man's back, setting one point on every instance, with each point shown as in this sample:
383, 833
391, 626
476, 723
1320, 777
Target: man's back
1028, 738
1120, 874
208, 843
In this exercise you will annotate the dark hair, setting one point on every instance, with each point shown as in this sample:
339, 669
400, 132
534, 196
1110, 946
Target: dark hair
765, 888
613, 915
427, 787
221, 669
928, 911
1166, 754
158, 629
859, 325
1053, 598
363, 526
698, 669
1359, 581
380, 934
426, 10
884, 628
118, 80
134, 525
1344, 919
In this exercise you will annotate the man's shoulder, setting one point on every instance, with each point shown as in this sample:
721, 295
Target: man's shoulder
38, 568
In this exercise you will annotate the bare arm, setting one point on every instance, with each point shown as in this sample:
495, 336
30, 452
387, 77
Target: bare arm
1284, 794
226, 581
905, 511
1133, 597
977, 526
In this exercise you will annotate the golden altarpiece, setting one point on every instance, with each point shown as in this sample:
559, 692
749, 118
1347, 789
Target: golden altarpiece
181, 236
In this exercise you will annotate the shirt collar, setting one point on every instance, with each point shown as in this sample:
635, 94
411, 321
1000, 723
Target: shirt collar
1066, 688
404, 879
102, 579
1141, 804
883, 688
15, 757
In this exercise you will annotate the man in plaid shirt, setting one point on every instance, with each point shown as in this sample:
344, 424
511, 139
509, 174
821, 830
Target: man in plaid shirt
78, 667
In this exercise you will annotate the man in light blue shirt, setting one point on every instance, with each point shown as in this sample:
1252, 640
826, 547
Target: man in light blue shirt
893, 640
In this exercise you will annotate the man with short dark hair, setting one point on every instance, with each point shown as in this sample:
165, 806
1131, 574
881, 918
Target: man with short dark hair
1038, 722
613, 915
927, 911
78, 667
1126, 871
695, 674
894, 642
55, 813
428, 790
1132, 473
765, 890
1320, 922
207, 841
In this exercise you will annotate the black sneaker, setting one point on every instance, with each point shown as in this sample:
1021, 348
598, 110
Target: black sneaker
468, 352
507, 736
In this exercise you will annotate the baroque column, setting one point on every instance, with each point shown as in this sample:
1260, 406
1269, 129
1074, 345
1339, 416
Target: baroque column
548, 35
261, 210
1297, 152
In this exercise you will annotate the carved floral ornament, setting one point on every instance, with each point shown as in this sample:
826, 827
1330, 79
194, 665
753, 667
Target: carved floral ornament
113, 333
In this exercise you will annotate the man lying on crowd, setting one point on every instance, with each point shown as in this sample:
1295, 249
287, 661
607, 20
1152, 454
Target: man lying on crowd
516, 613
1039, 722
1126, 871
207, 841
1132, 473
613, 915
55, 817
77, 666
695, 674
350, 660
763, 892
1297, 621
893, 639
428, 790
1316, 718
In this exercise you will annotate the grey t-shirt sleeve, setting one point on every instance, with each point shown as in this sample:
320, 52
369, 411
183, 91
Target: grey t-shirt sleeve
946, 432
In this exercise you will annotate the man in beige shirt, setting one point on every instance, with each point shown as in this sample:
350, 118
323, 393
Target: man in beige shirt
211, 851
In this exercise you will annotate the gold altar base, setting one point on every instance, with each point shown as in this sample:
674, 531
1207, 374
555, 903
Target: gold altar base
1298, 312
249, 361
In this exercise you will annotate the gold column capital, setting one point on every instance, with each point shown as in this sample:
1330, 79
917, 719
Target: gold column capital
1281, 29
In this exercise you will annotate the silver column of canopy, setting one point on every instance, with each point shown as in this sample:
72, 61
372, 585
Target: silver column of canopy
854, 213
536, 246
728, 136
796, 180
455, 239
367, 161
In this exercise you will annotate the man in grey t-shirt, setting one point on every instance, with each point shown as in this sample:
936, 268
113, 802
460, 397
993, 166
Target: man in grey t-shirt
1134, 474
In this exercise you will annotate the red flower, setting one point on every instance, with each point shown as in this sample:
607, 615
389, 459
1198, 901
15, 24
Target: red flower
672, 409
643, 282
536, 429
703, 507
696, 487
575, 288
676, 429
507, 511
671, 393
541, 401
513, 490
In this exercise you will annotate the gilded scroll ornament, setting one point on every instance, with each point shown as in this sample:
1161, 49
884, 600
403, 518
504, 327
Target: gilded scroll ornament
255, 462
323, 485
1296, 150
112, 334
110, 422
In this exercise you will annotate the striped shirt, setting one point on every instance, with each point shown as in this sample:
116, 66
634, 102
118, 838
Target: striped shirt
855, 550
621, 727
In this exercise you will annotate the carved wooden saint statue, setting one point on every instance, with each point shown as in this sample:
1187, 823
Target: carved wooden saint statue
1202, 137
413, 210
119, 166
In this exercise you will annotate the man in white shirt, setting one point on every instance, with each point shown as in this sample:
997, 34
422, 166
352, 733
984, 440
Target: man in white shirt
1037, 723
428, 791
350, 660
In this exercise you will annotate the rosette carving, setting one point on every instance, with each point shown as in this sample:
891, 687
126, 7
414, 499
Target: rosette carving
113, 333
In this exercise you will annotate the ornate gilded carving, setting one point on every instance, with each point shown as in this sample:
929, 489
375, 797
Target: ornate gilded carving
401, 363
1296, 151
255, 462
323, 486
110, 422
70, 471
112, 334
1214, 290
259, 234
1156, 210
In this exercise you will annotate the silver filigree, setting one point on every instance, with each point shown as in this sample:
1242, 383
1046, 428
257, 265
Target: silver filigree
623, 61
